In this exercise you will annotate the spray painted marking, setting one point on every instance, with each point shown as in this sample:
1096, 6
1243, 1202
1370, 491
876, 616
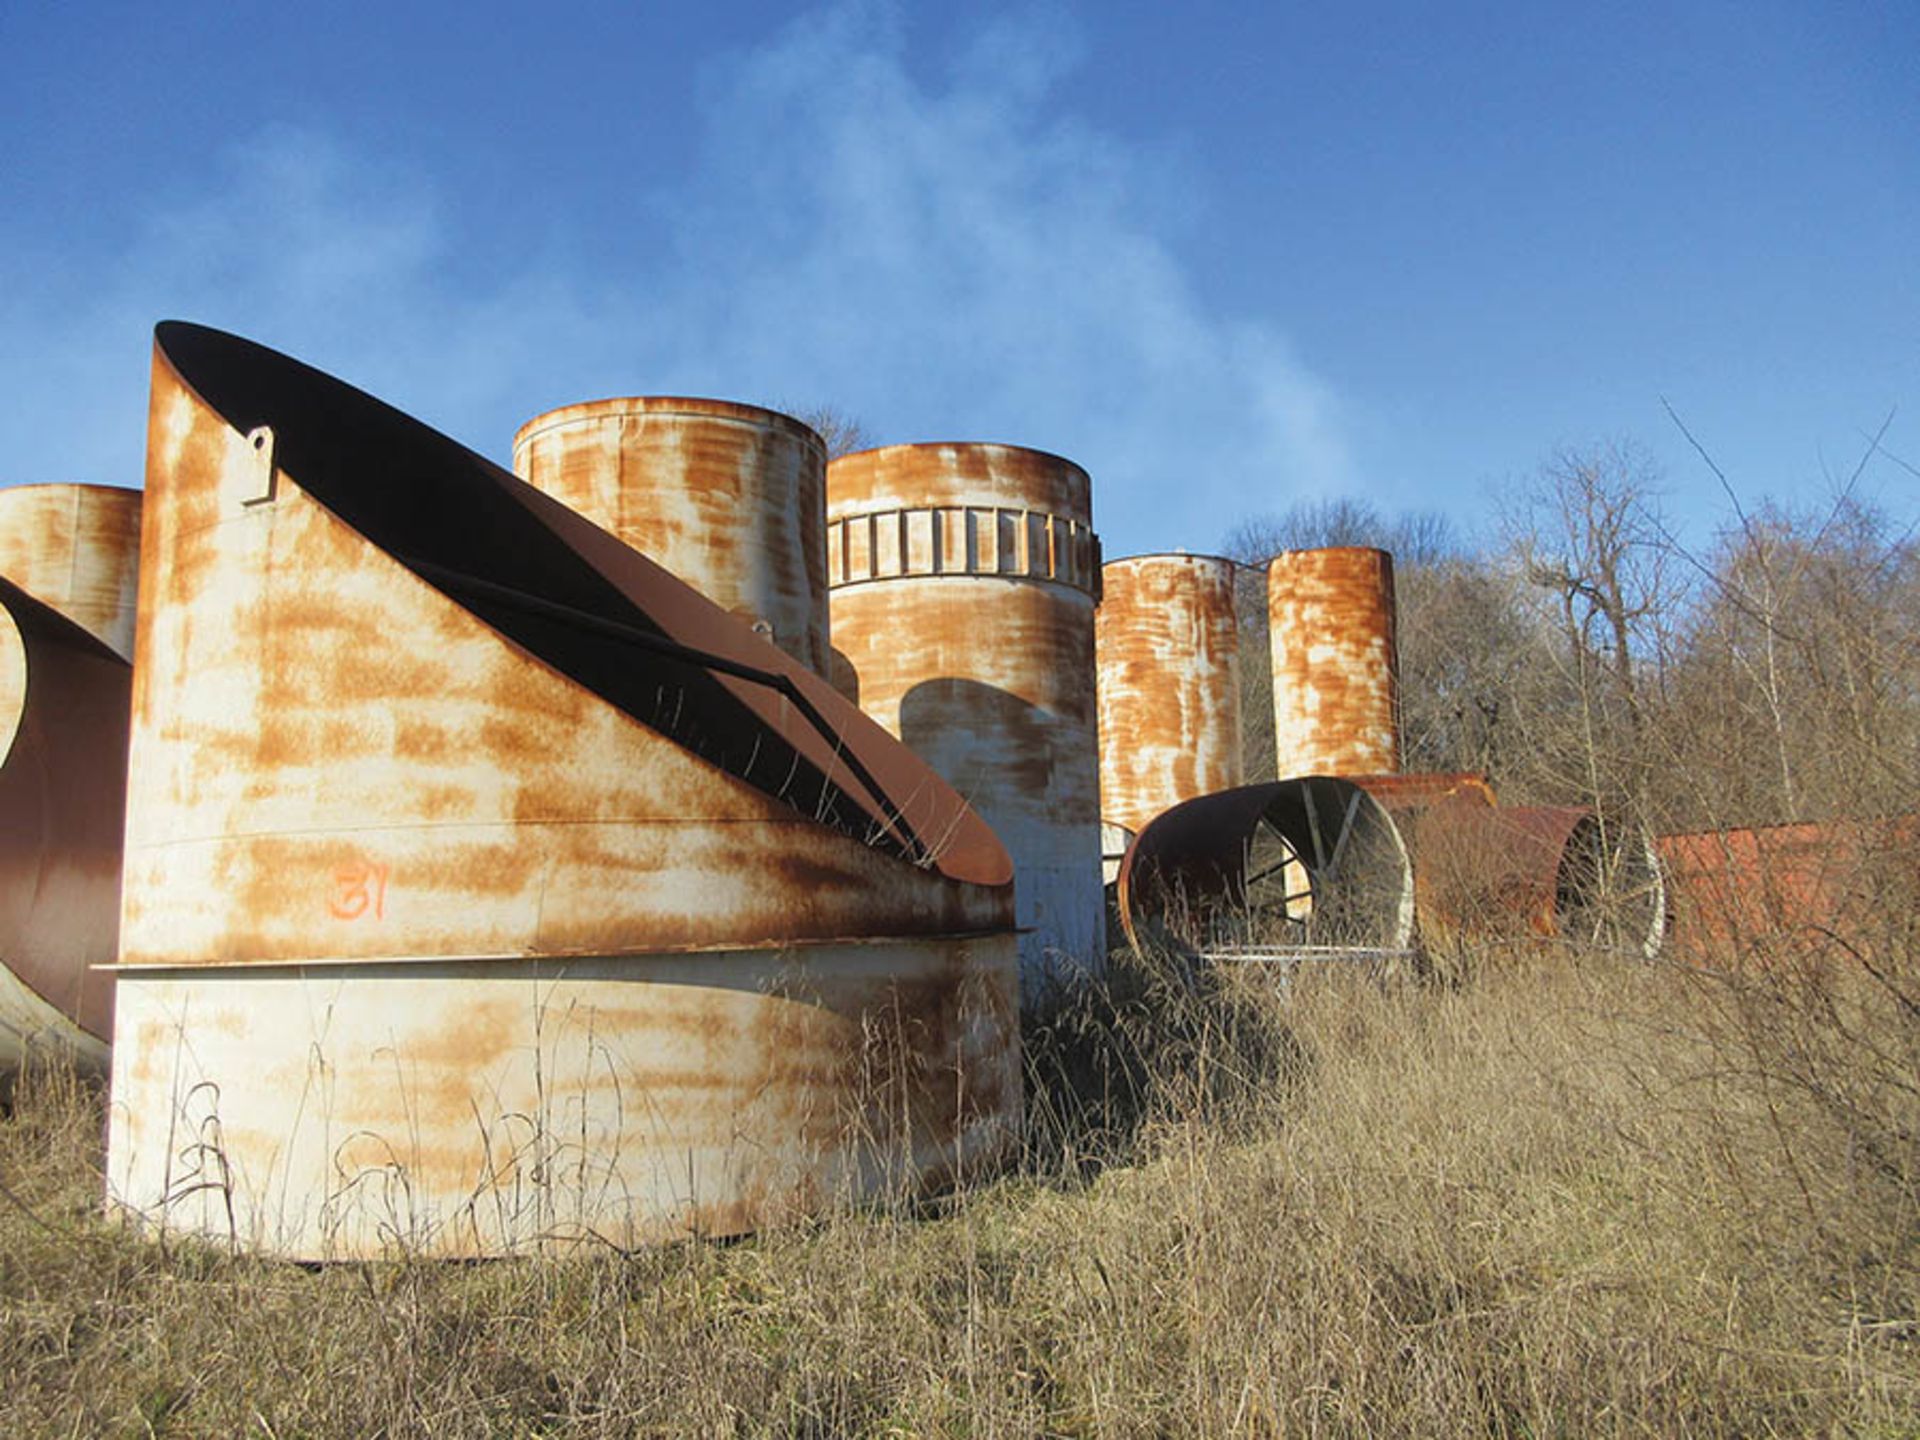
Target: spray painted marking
359, 888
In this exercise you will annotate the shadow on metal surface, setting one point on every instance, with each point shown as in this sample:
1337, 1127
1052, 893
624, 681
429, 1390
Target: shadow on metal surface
63, 706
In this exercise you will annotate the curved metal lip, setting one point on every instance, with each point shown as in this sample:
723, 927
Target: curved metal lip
1178, 555
599, 598
994, 577
1004, 446
793, 945
1332, 550
666, 405
1081, 482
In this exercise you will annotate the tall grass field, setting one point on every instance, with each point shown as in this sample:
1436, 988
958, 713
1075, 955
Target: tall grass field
1554, 1193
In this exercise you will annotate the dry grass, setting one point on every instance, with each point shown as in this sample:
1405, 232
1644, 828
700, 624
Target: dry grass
1574, 1196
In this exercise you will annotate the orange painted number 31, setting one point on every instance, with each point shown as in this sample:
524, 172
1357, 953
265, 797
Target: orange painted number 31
359, 889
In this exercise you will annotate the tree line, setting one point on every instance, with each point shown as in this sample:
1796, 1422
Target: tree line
1583, 655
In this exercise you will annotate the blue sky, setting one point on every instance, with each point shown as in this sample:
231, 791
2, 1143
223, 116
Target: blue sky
1227, 257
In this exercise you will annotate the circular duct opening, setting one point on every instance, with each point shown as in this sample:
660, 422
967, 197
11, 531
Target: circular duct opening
1609, 890
1288, 868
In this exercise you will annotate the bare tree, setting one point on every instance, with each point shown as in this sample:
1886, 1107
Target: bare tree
1797, 690
1587, 532
844, 433
1418, 537
1585, 536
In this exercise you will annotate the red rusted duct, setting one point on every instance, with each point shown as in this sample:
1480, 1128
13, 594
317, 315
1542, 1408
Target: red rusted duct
1549, 872
1335, 668
1416, 793
1425, 807
487, 888
63, 722
1168, 646
1758, 891
1295, 864
730, 498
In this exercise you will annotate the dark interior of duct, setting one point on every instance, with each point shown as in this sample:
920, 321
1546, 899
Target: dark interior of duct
1608, 891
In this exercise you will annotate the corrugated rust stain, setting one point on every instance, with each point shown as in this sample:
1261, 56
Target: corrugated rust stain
410, 736
63, 722
964, 579
1168, 646
1308, 862
1335, 668
730, 498
1766, 893
76, 548
1547, 872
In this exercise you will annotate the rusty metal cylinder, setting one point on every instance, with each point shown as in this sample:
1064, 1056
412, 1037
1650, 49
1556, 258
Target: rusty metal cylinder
963, 584
1168, 645
730, 498
1335, 669
77, 549
1541, 872
1308, 865
489, 889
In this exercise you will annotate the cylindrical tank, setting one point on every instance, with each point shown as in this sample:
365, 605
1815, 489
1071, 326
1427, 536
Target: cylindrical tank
1168, 647
77, 549
1331, 618
963, 584
727, 497
489, 889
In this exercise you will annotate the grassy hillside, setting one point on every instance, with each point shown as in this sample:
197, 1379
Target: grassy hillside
1563, 1195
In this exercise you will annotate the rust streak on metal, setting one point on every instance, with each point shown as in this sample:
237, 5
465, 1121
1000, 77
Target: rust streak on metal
441, 788
77, 549
730, 498
964, 579
1331, 619
1168, 646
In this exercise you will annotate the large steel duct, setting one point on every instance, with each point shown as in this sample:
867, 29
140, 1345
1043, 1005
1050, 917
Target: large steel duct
489, 889
1287, 868
1168, 645
963, 584
1331, 624
63, 726
1559, 872
730, 498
